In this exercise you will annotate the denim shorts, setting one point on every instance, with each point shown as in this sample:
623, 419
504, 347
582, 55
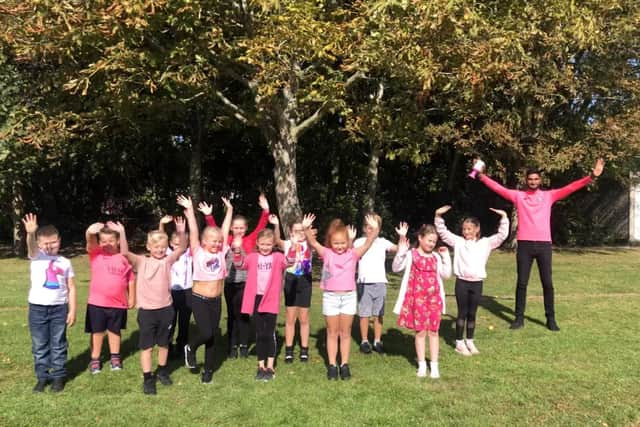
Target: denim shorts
335, 303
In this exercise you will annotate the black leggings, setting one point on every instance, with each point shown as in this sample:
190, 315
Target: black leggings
182, 307
468, 297
265, 332
237, 323
526, 253
206, 312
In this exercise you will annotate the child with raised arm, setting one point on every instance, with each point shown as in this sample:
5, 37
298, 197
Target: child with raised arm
52, 304
372, 287
181, 284
238, 323
421, 299
261, 297
470, 255
153, 299
339, 300
209, 270
111, 294
297, 287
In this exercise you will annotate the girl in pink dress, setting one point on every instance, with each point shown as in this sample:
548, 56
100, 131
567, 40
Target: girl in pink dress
421, 299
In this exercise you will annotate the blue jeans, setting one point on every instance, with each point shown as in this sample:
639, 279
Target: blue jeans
48, 326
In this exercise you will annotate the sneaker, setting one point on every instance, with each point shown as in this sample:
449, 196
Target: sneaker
377, 347
422, 371
472, 347
116, 363
94, 367
189, 357
365, 347
261, 374
461, 348
149, 385
270, 374
207, 376
345, 372
552, 325
435, 372
244, 351
288, 355
304, 354
332, 372
233, 352
40, 385
57, 385
164, 378
518, 323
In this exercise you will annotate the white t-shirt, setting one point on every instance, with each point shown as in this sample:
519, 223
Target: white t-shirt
371, 268
182, 271
49, 278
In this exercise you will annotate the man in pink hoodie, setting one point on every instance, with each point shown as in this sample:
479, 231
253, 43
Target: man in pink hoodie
533, 206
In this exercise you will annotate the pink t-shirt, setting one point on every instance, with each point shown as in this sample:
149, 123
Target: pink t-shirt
153, 284
110, 277
208, 266
265, 267
339, 270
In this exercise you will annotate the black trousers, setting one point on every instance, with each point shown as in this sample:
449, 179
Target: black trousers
265, 332
206, 312
237, 323
526, 253
468, 297
182, 307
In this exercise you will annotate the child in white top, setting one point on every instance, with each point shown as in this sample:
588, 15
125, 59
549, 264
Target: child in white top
471, 253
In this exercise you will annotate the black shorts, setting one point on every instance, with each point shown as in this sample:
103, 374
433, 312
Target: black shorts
297, 290
155, 327
100, 319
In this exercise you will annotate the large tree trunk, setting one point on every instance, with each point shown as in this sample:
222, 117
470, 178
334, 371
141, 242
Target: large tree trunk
372, 179
17, 212
283, 149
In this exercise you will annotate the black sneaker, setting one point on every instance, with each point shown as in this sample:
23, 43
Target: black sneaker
233, 352
288, 355
332, 372
207, 377
244, 351
164, 378
304, 354
552, 325
189, 357
40, 385
377, 347
517, 324
365, 347
345, 372
260, 374
149, 385
57, 385
269, 375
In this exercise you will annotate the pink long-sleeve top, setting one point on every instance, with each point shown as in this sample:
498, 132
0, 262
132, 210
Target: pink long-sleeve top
248, 241
534, 206
270, 302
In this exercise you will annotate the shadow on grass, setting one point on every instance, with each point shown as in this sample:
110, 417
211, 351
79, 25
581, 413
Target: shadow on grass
400, 343
501, 311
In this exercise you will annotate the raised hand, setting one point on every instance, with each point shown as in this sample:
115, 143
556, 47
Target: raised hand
500, 212
308, 219
443, 210
351, 232
166, 219
443, 250
181, 225
599, 167
205, 208
116, 226
262, 202
95, 228
273, 219
402, 229
30, 222
185, 202
370, 220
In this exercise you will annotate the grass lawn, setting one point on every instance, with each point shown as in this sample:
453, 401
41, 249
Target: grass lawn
586, 374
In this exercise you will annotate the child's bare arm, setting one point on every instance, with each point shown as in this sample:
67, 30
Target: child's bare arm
273, 220
131, 294
187, 204
182, 245
163, 221
371, 222
73, 301
124, 245
402, 229
30, 222
91, 236
307, 222
226, 224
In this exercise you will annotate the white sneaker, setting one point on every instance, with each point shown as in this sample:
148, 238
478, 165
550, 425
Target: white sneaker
435, 372
472, 347
422, 370
462, 349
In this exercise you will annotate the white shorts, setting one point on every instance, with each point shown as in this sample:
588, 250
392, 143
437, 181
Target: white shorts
335, 303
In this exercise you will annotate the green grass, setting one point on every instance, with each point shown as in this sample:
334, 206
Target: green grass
585, 374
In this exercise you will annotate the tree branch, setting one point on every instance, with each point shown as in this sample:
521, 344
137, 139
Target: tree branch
238, 113
311, 120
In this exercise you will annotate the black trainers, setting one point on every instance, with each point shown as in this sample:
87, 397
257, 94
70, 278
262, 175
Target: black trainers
57, 385
261, 374
244, 351
518, 323
189, 357
552, 325
377, 347
233, 352
40, 385
365, 347
332, 372
304, 354
164, 378
207, 377
288, 355
269, 375
149, 385
345, 372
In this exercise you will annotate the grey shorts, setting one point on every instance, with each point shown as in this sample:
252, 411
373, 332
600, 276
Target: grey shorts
371, 298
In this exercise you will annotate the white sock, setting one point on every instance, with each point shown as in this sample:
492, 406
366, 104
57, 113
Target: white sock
459, 342
422, 364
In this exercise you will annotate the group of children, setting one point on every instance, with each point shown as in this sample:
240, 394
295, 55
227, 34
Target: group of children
188, 273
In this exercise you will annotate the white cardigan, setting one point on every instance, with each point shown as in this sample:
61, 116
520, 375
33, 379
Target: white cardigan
403, 261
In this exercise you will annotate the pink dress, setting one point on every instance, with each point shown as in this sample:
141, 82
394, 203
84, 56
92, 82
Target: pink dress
422, 304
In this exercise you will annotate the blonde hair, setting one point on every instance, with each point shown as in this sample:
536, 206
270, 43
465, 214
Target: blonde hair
157, 236
266, 233
212, 230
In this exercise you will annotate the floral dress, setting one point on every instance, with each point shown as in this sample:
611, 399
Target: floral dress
422, 303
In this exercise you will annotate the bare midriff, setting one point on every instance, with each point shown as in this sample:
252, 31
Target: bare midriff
208, 288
